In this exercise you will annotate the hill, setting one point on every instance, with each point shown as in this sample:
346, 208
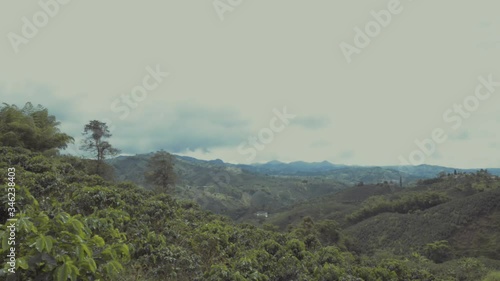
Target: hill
74, 225
227, 189
63, 218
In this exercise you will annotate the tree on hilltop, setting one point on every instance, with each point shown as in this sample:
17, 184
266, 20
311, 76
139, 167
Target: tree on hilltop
160, 172
95, 133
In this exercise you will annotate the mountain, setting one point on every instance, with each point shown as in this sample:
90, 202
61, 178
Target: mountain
298, 168
189, 168
229, 189
239, 191
79, 225
463, 210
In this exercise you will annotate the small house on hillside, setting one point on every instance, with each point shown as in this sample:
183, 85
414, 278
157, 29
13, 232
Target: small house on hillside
262, 214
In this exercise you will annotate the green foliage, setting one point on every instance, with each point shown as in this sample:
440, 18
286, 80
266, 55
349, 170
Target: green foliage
492, 276
80, 227
96, 133
73, 224
438, 251
160, 172
31, 128
406, 203
65, 247
470, 269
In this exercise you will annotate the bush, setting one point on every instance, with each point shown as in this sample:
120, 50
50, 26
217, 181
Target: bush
492, 276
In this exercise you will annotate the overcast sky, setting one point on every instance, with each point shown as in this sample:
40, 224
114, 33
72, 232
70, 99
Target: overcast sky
352, 82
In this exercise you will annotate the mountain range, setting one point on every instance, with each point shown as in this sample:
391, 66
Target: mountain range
241, 190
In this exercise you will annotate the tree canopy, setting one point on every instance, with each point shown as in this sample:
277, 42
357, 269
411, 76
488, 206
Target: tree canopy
96, 133
32, 128
160, 171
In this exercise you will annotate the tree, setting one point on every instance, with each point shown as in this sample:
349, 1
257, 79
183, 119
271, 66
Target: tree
96, 132
438, 251
31, 128
160, 171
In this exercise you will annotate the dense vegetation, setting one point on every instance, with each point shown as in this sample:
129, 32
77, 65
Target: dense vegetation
73, 224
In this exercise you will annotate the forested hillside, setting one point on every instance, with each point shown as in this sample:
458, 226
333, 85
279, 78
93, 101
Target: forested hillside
72, 221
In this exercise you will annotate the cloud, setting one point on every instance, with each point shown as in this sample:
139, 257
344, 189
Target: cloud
311, 122
320, 144
182, 128
345, 155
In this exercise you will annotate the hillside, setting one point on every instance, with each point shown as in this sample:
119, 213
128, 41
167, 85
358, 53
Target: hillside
461, 210
64, 217
227, 189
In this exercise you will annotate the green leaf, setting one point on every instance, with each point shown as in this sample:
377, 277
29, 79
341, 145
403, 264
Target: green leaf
109, 253
62, 272
89, 264
42, 219
49, 243
22, 263
78, 227
67, 270
63, 217
86, 250
26, 225
113, 268
79, 252
98, 240
123, 250
40, 243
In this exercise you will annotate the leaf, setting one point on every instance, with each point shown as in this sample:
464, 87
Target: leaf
98, 240
22, 263
79, 252
121, 248
62, 272
113, 267
67, 270
78, 227
86, 250
26, 225
63, 217
40, 244
109, 253
89, 264
49, 243
42, 219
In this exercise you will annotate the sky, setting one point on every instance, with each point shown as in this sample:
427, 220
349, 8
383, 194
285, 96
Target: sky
350, 82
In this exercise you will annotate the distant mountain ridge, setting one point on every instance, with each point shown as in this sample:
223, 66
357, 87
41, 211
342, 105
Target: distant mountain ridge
326, 168
239, 190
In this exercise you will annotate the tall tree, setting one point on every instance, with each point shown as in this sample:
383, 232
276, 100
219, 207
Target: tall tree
95, 133
32, 128
160, 172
